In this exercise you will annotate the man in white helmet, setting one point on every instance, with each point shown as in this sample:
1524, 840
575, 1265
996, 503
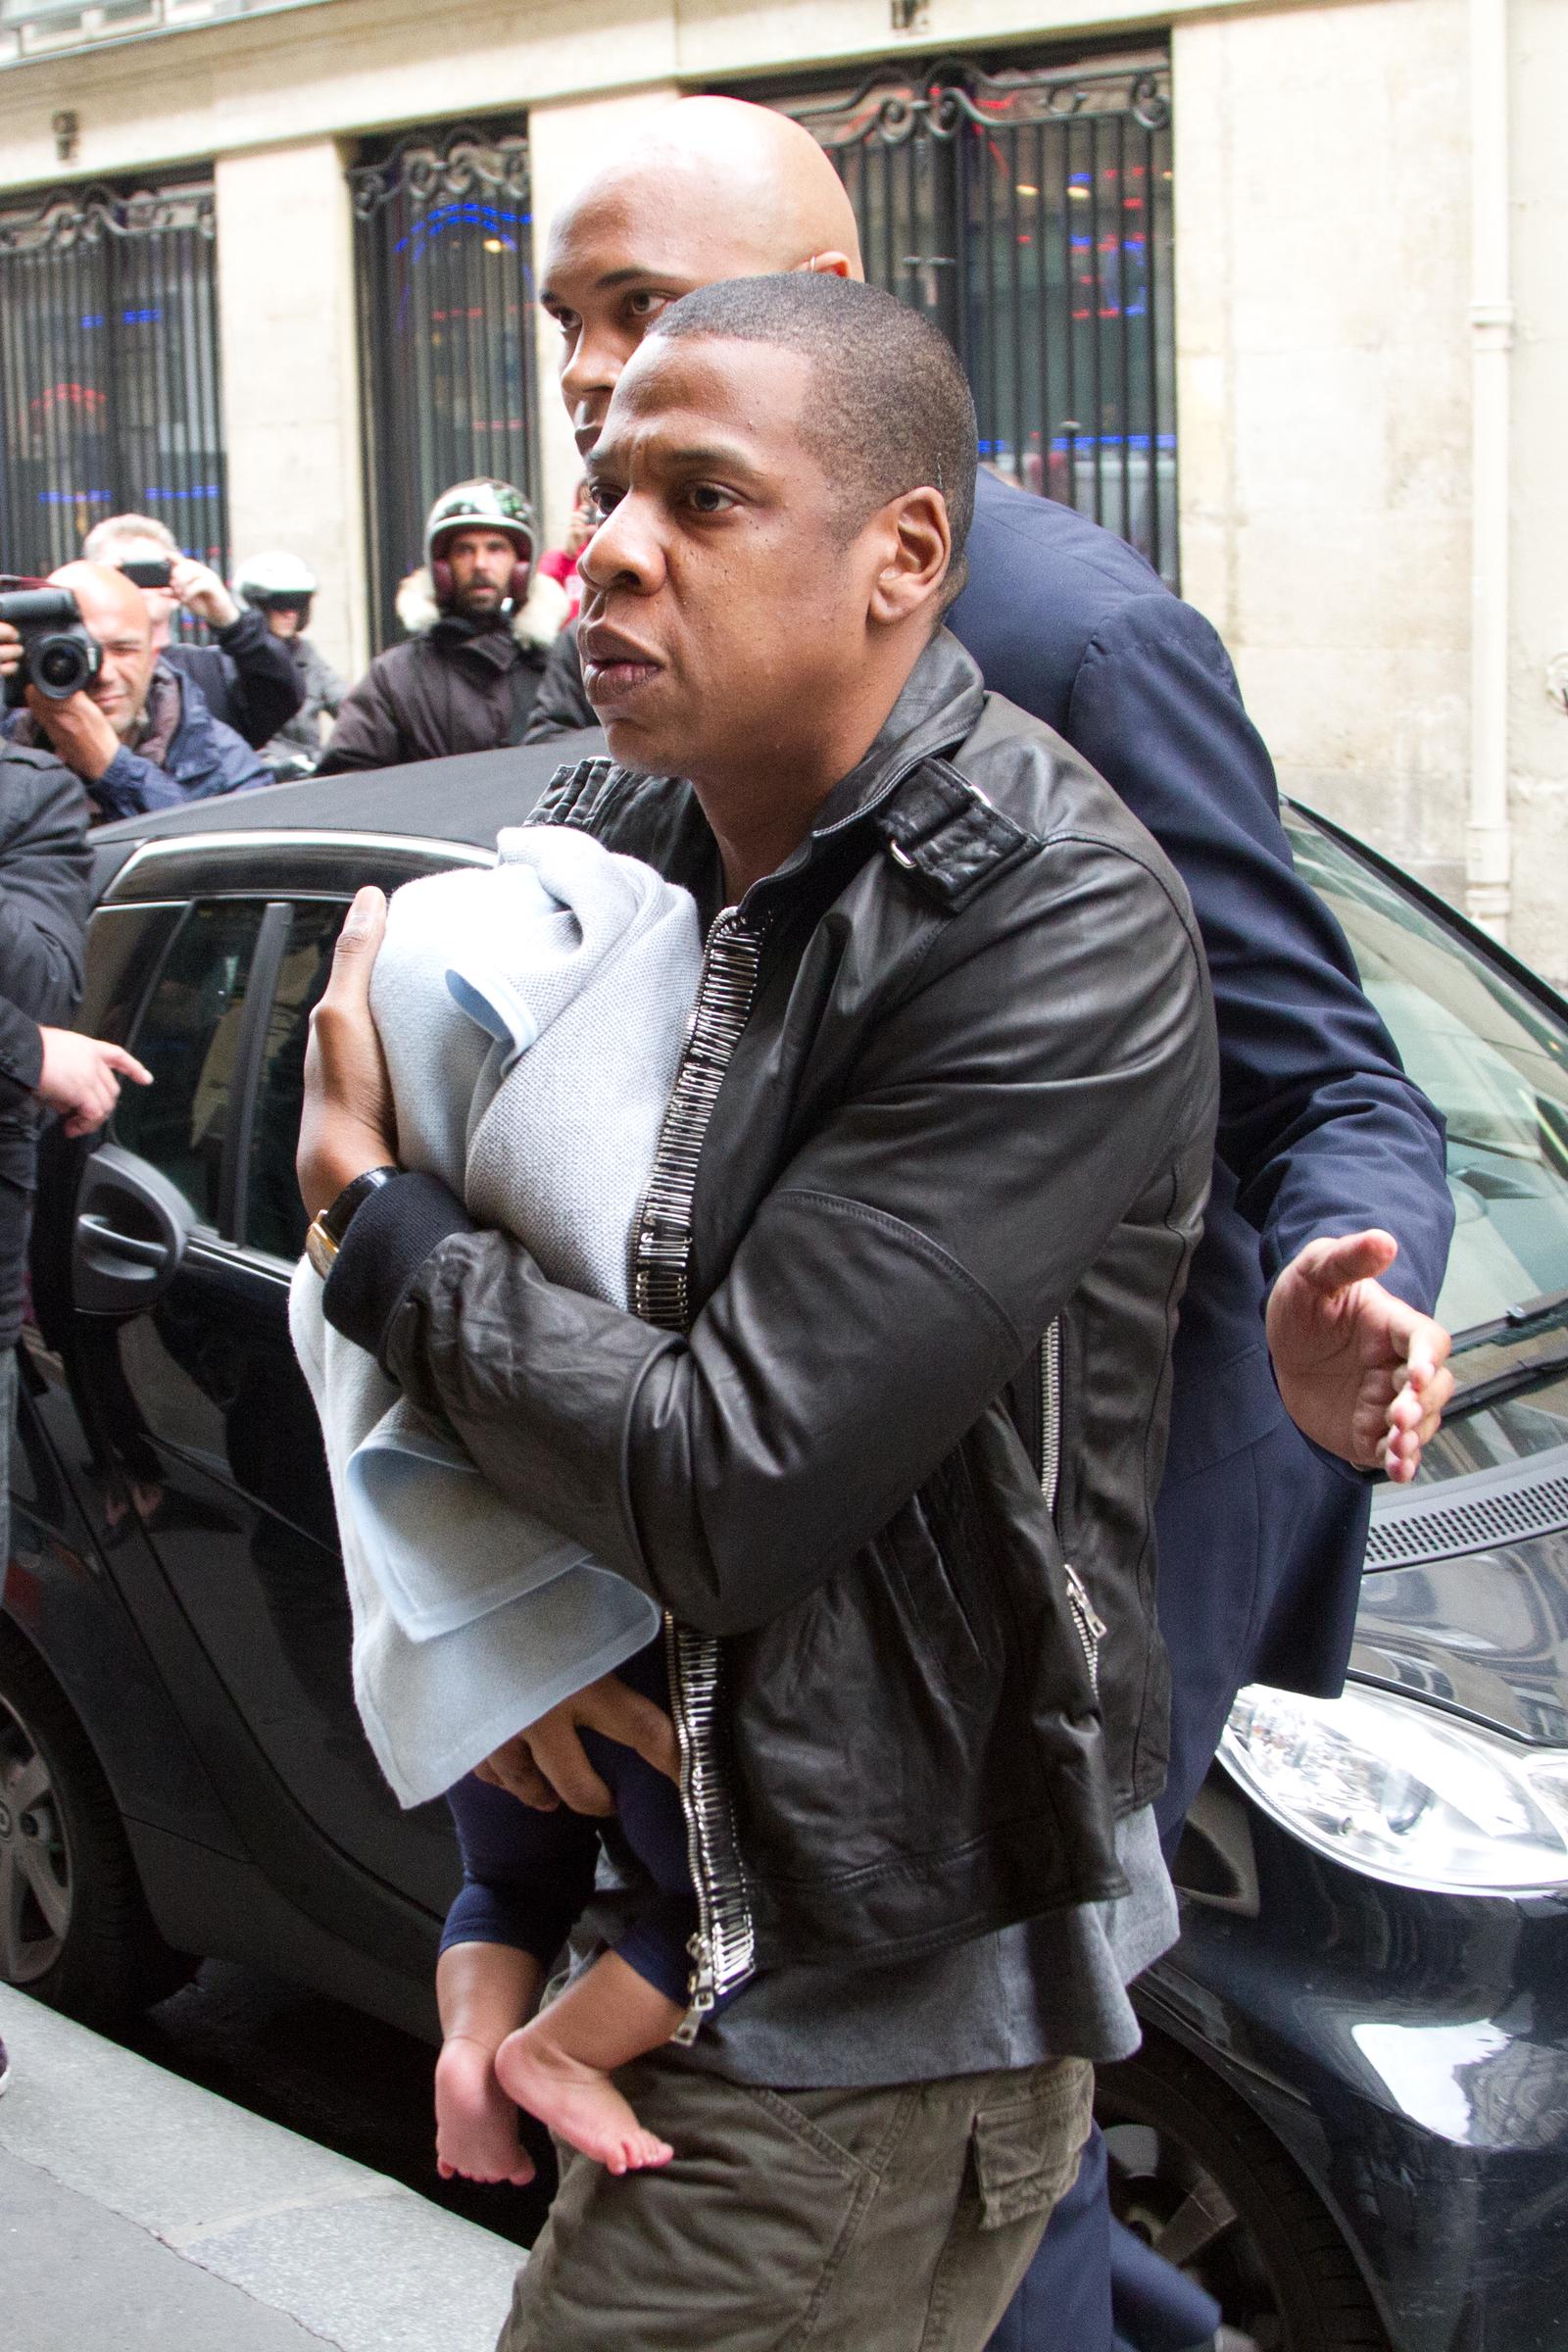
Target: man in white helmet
480, 625
281, 587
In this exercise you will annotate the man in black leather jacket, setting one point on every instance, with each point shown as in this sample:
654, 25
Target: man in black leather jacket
931, 1180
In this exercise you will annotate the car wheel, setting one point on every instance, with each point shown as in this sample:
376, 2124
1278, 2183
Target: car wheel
1196, 2176
74, 1929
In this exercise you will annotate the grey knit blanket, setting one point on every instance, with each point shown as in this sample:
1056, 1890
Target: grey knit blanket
534, 1016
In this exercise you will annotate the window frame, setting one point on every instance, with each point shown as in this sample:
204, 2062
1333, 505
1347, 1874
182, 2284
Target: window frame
273, 928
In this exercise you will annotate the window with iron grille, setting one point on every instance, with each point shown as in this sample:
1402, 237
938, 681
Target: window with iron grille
443, 226
1026, 208
108, 384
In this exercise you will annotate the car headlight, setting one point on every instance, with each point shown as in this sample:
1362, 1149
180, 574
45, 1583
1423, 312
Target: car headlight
1401, 1790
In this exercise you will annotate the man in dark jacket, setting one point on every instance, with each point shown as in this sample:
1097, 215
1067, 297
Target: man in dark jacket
910, 1254
139, 736
480, 624
243, 680
1329, 1157
44, 913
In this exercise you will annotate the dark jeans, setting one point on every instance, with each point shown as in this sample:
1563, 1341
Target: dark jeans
1064, 2302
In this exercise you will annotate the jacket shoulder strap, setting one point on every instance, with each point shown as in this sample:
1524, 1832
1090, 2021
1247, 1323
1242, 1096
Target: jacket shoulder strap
944, 832
577, 794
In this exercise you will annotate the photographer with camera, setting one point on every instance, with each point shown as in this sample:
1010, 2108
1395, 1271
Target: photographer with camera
248, 680
138, 733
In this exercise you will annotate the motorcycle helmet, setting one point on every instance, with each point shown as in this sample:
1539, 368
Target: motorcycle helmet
485, 505
276, 581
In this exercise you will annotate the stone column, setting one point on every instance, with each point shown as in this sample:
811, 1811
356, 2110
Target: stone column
291, 402
568, 142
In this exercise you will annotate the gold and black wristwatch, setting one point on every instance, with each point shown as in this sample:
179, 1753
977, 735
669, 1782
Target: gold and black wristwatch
324, 1235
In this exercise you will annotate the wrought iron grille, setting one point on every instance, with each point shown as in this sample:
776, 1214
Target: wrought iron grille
108, 384
445, 272
1028, 210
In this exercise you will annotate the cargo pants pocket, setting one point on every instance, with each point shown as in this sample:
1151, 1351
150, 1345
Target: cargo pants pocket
1026, 2144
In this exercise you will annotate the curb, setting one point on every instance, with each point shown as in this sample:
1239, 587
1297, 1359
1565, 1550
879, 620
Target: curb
216, 2204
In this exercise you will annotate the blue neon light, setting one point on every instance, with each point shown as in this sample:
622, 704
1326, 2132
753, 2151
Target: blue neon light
467, 214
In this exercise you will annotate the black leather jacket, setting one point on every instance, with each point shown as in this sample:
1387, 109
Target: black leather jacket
951, 1082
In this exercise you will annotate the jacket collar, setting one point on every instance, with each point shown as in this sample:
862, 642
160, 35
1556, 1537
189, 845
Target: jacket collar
938, 709
939, 706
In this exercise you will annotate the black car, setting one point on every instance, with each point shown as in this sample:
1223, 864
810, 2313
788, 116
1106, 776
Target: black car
1349, 2119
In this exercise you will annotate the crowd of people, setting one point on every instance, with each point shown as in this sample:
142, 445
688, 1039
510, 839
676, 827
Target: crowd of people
163, 721
1010, 1028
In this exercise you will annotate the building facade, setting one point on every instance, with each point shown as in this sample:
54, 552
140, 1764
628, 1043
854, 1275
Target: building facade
1281, 292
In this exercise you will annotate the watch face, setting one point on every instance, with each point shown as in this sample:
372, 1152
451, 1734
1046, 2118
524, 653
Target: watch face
319, 1247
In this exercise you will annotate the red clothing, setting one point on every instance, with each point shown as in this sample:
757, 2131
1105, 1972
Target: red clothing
556, 565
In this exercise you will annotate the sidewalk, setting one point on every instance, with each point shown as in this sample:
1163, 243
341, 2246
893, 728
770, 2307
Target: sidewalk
141, 2213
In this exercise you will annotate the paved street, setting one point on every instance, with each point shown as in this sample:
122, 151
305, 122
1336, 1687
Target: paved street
140, 2210
332, 2075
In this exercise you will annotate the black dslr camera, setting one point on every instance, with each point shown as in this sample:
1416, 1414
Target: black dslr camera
58, 655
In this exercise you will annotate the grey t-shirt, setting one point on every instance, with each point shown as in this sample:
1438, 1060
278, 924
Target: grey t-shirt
1052, 1988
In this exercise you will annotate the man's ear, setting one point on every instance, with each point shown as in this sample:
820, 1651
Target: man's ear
831, 265
919, 543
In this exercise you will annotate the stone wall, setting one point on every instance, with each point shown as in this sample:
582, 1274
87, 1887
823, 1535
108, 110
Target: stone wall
1321, 256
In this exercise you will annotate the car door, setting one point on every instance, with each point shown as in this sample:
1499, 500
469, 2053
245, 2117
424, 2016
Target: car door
206, 1468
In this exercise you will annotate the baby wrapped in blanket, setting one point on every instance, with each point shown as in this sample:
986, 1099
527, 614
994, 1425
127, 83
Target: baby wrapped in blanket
533, 1017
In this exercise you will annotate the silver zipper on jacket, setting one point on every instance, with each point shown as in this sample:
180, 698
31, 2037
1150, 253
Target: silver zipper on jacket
1090, 1627
723, 1949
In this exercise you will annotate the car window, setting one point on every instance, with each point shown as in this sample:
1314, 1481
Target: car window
1492, 1059
274, 1219
189, 1038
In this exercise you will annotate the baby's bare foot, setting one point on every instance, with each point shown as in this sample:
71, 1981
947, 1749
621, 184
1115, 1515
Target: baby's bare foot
475, 2123
577, 2102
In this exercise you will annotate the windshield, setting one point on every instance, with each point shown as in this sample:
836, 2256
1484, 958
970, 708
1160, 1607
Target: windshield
1495, 1063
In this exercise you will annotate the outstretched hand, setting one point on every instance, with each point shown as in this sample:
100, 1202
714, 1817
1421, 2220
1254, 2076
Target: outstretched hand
347, 1123
80, 1077
1360, 1372
546, 1765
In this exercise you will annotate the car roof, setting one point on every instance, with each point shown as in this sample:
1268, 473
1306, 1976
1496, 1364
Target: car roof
467, 798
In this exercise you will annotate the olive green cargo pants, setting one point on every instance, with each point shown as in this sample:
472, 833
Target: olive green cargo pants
897, 2220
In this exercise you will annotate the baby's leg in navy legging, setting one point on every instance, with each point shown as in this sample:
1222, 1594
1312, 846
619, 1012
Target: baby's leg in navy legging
525, 1876
632, 2000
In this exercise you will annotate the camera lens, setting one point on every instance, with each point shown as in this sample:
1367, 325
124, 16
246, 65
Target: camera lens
58, 666
61, 666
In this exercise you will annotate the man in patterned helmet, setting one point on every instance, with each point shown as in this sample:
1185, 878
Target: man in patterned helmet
480, 624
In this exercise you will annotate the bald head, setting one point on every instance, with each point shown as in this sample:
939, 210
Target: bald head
711, 189
114, 611
751, 184
108, 602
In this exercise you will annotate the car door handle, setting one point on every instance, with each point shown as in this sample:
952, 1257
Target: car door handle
123, 1244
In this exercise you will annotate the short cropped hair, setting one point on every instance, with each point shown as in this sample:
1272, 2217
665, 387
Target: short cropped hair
889, 408
116, 530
